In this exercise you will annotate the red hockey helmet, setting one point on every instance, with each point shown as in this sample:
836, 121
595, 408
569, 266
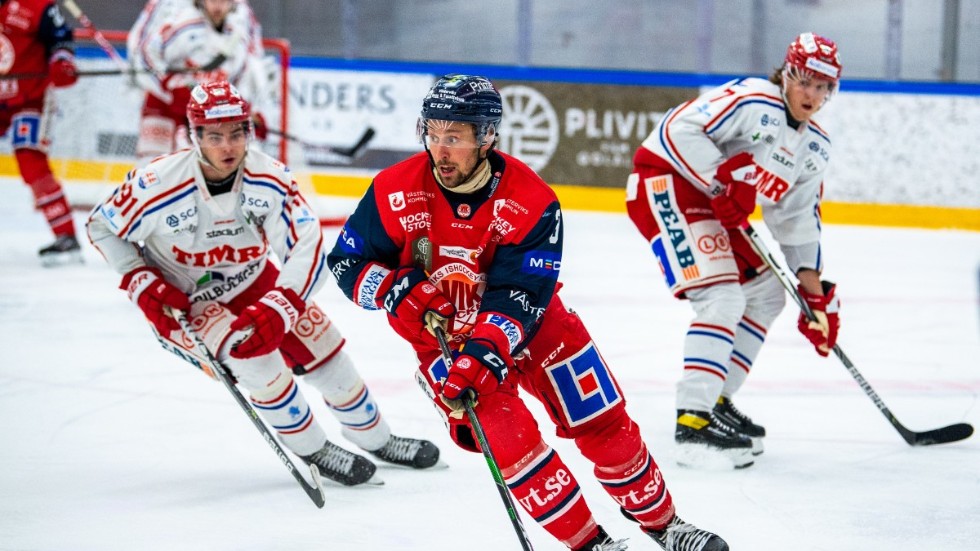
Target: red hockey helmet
811, 55
215, 103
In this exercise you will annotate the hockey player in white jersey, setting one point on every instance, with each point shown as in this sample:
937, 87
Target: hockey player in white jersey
696, 179
171, 38
196, 231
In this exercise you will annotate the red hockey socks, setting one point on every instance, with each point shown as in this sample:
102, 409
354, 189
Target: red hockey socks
545, 487
49, 198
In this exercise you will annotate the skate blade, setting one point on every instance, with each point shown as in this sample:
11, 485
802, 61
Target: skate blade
439, 465
61, 259
701, 456
757, 447
375, 480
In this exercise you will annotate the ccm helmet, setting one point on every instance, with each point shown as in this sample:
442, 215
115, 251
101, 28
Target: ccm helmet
463, 98
811, 55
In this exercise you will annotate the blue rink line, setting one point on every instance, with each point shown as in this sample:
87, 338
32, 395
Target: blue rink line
588, 76
615, 77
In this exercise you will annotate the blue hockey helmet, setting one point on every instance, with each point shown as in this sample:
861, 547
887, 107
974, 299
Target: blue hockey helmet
463, 98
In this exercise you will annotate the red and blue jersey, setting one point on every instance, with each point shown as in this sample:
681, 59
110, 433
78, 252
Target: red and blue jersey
495, 253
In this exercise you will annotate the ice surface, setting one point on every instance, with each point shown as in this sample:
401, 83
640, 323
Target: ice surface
110, 443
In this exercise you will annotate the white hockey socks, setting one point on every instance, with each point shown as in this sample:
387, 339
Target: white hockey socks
350, 402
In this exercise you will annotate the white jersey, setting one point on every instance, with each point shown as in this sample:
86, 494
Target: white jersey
749, 115
212, 248
174, 34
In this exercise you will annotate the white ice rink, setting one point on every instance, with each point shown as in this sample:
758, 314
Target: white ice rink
107, 442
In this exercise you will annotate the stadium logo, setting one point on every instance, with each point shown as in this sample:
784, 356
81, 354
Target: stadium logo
529, 129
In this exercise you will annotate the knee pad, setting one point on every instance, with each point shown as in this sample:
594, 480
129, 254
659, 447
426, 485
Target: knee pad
765, 298
720, 304
313, 341
30, 131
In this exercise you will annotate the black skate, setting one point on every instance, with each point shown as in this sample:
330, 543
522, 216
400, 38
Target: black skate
602, 542
741, 422
705, 441
341, 466
64, 250
408, 452
681, 536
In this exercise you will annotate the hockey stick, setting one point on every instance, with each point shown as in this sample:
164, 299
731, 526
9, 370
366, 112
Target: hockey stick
314, 490
348, 152
79, 15
481, 438
952, 433
209, 66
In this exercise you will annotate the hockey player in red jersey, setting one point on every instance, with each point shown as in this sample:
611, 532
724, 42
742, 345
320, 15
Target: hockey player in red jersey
36, 40
471, 238
696, 179
198, 230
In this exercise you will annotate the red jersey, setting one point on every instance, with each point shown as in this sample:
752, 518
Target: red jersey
496, 251
32, 31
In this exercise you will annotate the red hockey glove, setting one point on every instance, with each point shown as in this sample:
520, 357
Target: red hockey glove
259, 127
823, 332
414, 301
736, 201
271, 317
148, 289
62, 70
479, 369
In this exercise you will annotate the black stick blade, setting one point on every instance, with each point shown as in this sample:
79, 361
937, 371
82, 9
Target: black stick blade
945, 435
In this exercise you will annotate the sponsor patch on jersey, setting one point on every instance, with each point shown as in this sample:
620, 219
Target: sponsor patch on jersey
422, 253
459, 253
415, 221
367, 287
396, 201
541, 263
148, 179
349, 241
507, 327
586, 388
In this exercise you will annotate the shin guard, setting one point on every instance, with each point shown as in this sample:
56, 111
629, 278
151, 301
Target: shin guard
283, 406
49, 197
547, 490
350, 402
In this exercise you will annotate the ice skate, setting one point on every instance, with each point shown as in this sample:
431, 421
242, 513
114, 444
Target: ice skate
705, 441
602, 542
681, 536
741, 422
409, 452
343, 467
64, 250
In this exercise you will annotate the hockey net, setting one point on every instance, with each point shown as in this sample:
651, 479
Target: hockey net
95, 125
